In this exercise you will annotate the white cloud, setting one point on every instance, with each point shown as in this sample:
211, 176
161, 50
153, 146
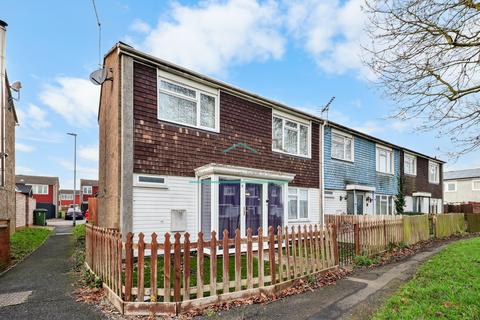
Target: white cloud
213, 35
140, 26
23, 147
83, 172
75, 99
332, 32
89, 153
23, 170
371, 127
33, 117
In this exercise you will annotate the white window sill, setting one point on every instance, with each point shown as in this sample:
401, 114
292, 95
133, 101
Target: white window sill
299, 220
189, 125
385, 173
343, 160
291, 154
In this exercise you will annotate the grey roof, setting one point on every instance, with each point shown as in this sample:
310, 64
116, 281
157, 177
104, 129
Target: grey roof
85, 182
36, 179
23, 188
66, 191
462, 174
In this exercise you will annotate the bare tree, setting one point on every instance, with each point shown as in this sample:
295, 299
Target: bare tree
426, 54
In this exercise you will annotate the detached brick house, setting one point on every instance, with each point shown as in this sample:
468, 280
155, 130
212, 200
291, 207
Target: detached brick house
180, 151
45, 192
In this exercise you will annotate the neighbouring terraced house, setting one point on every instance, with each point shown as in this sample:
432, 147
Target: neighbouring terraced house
462, 186
180, 151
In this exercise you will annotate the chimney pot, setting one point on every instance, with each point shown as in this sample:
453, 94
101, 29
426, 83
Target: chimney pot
3, 24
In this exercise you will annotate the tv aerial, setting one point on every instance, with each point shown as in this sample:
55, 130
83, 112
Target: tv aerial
326, 107
98, 77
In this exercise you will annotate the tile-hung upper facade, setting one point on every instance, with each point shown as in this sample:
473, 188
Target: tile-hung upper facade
360, 174
183, 152
423, 187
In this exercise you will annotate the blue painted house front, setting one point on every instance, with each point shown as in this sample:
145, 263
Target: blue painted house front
353, 177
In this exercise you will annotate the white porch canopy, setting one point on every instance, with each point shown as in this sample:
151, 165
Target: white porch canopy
359, 187
242, 172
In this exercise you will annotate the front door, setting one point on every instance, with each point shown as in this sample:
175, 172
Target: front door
360, 197
228, 207
253, 207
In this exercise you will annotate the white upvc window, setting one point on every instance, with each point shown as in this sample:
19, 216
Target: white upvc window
185, 102
39, 188
433, 172
342, 146
297, 204
384, 161
476, 185
66, 196
87, 190
410, 164
290, 136
384, 205
451, 186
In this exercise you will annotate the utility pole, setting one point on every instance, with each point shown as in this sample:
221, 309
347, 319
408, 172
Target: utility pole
74, 174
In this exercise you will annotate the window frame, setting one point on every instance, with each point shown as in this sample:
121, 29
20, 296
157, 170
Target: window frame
389, 199
473, 185
437, 165
199, 90
414, 164
35, 189
344, 136
451, 182
297, 193
379, 147
63, 197
299, 123
88, 188
160, 185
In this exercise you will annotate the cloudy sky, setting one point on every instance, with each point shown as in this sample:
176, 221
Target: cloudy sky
297, 52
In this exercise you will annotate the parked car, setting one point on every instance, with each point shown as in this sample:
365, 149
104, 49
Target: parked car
78, 214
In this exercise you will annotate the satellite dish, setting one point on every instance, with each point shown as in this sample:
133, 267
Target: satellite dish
98, 77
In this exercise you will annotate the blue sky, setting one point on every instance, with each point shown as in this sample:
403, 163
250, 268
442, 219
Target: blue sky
297, 52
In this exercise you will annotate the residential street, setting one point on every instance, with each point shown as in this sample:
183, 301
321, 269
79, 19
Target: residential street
356, 297
44, 282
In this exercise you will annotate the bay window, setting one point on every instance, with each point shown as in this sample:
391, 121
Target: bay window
433, 172
184, 102
297, 203
342, 146
384, 159
290, 136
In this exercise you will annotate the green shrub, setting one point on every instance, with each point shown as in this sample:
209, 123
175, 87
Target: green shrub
364, 261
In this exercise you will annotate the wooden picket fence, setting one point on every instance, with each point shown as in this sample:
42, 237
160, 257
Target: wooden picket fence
177, 275
449, 224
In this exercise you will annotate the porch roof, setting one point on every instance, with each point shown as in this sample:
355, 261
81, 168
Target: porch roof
222, 169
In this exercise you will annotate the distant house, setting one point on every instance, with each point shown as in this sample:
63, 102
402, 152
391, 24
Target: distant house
462, 186
88, 189
45, 191
65, 198
8, 121
25, 204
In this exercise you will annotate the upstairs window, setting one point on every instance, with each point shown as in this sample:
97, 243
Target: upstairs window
476, 185
66, 196
433, 172
184, 102
384, 160
410, 164
40, 189
290, 137
342, 146
450, 186
87, 190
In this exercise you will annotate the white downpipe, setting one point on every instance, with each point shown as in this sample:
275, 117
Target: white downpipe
3, 102
322, 170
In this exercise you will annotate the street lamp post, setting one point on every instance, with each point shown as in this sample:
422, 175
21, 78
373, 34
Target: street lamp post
74, 173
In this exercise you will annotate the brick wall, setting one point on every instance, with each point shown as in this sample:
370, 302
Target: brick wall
21, 210
419, 183
167, 149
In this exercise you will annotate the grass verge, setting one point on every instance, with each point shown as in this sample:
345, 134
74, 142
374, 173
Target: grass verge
446, 286
79, 246
24, 242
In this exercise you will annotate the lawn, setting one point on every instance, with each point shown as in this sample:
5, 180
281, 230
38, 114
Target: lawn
447, 286
25, 241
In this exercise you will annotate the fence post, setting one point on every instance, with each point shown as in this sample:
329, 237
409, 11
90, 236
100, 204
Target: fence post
335, 245
128, 266
153, 267
176, 267
356, 231
271, 253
